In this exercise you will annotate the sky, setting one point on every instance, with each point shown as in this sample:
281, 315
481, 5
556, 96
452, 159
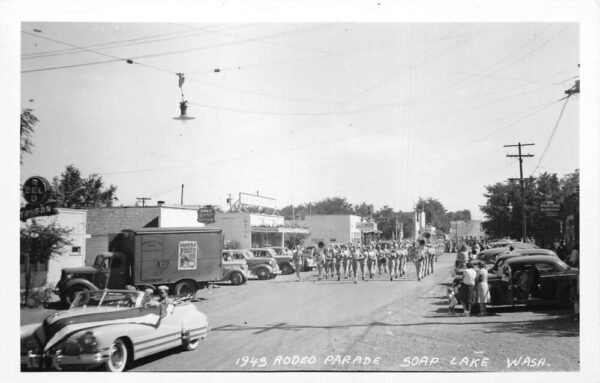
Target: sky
382, 112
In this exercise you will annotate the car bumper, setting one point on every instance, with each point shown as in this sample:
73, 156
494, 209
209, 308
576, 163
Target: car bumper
58, 360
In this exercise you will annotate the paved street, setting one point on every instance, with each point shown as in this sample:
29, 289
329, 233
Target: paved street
376, 325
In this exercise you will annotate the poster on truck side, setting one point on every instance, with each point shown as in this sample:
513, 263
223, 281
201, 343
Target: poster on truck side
188, 255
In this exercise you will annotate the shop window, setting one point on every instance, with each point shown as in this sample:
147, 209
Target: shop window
76, 250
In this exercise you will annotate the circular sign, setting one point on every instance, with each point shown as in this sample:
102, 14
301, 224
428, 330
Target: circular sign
36, 190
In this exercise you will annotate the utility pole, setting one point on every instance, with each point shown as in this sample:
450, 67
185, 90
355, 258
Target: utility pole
229, 201
522, 181
143, 199
181, 194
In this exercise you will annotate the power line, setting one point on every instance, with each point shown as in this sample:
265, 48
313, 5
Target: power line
522, 182
551, 136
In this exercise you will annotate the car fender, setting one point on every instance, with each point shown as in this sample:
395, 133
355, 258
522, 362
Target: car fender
263, 266
27, 330
78, 281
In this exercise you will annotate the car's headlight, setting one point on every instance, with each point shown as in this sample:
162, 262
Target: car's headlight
88, 342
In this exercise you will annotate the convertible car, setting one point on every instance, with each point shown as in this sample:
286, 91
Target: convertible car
110, 328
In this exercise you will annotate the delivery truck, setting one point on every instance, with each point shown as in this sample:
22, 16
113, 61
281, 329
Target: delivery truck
184, 259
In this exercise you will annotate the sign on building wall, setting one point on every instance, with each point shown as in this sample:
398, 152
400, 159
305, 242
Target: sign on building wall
258, 201
550, 208
366, 226
36, 191
188, 255
206, 214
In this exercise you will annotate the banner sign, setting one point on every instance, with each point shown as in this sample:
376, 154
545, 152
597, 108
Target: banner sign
206, 214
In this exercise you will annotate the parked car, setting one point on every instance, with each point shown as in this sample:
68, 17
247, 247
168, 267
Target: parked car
261, 267
532, 280
285, 263
489, 255
519, 253
235, 268
282, 251
110, 328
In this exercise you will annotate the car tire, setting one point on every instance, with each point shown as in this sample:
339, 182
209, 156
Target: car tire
69, 295
185, 288
236, 279
191, 345
262, 273
117, 358
286, 269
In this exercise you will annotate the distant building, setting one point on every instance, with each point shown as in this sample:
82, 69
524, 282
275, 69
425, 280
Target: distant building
336, 229
70, 256
467, 228
104, 221
254, 229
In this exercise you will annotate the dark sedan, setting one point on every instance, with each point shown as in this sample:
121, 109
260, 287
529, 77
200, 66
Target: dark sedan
531, 280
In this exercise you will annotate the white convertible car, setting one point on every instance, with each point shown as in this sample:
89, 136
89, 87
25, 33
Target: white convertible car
111, 328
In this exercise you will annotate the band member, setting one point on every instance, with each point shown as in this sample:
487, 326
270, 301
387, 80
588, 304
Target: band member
391, 262
418, 258
402, 257
371, 260
319, 255
297, 259
338, 259
346, 260
381, 259
328, 261
431, 254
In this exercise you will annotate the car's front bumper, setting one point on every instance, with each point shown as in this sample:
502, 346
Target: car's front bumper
58, 360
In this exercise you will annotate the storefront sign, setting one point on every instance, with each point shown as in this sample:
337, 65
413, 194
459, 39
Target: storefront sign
206, 214
36, 191
264, 229
31, 211
366, 226
550, 208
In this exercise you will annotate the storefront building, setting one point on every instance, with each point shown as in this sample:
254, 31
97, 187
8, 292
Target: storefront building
251, 230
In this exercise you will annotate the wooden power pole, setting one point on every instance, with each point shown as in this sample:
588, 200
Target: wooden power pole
522, 181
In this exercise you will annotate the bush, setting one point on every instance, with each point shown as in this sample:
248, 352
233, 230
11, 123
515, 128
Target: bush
39, 296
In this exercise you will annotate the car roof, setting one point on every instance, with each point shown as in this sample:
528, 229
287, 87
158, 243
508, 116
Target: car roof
532, 258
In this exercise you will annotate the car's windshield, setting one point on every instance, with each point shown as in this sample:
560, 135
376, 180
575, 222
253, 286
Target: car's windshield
102, 262
248, 254
106, 299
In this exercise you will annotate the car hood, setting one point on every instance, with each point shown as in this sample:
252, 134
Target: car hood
60, 326
80, 270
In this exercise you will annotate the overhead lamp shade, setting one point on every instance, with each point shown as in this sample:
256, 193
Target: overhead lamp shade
183, 110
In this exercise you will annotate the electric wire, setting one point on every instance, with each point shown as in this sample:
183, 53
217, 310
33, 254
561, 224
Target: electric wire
551, 136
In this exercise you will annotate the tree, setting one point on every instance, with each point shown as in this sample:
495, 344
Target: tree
364, 209
39, 243
435, 213
461, 215
73, 191
28, 120
503, 208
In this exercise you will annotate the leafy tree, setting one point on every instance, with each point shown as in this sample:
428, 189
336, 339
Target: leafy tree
293, 239
435, 213
503, 208
39, 243
364, 209
71, 190
335, 205
28, 120
461, 215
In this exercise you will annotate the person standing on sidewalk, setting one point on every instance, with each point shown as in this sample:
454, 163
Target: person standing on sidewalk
297, 259
467, 288
482, 290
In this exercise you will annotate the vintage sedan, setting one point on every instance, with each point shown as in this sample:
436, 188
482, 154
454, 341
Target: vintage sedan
518, 253
110, 328
532, 280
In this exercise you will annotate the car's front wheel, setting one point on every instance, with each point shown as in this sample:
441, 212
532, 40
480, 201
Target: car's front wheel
286, 269
185, 288
262, 274
117, 357
236, 279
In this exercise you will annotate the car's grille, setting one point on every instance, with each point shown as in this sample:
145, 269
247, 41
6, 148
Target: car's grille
70, 347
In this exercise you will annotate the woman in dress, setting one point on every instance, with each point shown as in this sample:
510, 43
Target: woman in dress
482, 290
